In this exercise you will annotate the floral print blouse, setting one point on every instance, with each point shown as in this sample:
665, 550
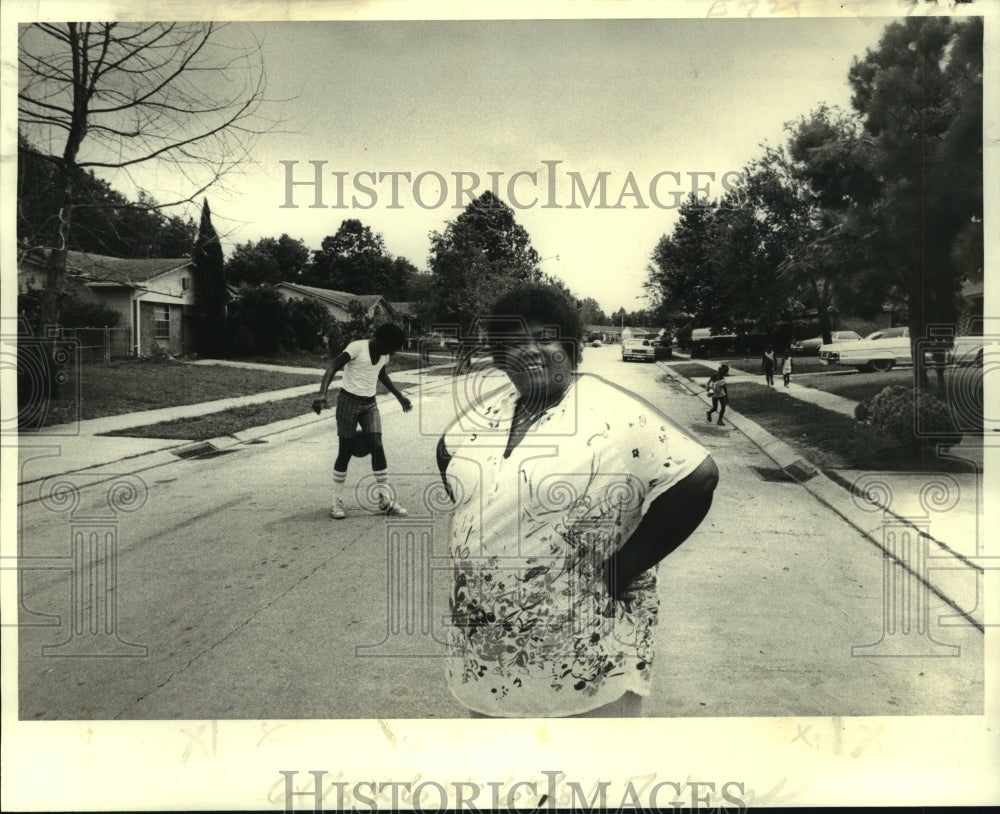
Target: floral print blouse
535, 632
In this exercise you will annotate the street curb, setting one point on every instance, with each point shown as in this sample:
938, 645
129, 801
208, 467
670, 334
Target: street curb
949, 579
173, 451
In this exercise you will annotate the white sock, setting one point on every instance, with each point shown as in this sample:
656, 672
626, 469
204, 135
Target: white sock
339, 479
382, 482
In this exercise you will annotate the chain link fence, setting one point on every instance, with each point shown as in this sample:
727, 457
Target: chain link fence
101, 344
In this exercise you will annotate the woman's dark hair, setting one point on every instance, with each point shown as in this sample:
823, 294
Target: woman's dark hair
389, 335
545, 305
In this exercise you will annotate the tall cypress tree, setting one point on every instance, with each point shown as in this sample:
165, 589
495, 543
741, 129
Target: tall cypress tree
210, 294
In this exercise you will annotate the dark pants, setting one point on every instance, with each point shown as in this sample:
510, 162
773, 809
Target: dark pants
718, 404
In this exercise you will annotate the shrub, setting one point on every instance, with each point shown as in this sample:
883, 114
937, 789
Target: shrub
77, 309
336, 338
908, 416
310, 322
259, 317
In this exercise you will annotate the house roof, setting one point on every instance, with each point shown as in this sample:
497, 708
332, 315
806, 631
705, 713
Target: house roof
404, 308
99, 268
617, 329
339, 298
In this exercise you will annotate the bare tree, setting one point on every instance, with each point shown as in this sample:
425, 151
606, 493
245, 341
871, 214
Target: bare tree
112, 97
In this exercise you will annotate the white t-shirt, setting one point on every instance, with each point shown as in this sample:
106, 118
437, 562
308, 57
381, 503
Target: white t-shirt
360, 375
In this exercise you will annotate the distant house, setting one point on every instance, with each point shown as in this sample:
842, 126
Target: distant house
153, 296
608, 334
338, 302
406, 316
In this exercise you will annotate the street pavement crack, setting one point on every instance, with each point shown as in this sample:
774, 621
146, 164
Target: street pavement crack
267, 606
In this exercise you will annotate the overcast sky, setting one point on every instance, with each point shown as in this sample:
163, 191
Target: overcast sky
554, 98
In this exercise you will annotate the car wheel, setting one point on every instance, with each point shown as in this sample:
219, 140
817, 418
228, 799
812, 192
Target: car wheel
881, 365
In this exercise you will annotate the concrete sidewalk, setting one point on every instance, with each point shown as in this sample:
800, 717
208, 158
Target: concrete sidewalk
82, 446
970, 448
931, 524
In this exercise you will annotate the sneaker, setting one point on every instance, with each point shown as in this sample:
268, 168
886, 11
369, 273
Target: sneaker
721, 423
338, 512
708, 416
391, 507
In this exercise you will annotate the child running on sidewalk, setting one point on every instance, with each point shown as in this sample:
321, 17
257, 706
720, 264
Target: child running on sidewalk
363, 362
716, 387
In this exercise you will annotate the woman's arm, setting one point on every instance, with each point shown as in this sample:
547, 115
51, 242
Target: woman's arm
443, 459
669, 521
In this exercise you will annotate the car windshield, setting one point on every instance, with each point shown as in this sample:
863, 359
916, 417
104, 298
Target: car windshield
888, 333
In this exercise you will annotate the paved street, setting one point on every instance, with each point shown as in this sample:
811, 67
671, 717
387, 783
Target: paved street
236, 596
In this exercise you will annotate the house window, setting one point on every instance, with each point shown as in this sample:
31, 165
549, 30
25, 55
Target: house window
185, 283
161, 322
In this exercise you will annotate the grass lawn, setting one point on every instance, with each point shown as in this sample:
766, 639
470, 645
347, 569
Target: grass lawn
692, 370
235, 419
101, 389
851, 384
800, 364
830, 440
845, 382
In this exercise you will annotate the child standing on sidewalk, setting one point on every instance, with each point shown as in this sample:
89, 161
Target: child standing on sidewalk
363, 362
768, 363
716, 387
786, 367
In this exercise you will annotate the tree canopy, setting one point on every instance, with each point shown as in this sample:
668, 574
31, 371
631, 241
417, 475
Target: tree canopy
866, 209
112, 96
909, 207
477, 257
355, 259
105, 221
268, 260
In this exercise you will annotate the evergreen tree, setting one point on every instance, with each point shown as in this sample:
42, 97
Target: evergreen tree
210, 293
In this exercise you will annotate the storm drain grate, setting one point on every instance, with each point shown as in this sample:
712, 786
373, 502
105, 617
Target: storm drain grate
798, 472
201, 451
772, 475
801, 471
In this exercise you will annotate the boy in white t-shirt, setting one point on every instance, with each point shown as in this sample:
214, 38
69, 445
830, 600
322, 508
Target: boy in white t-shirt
363, 362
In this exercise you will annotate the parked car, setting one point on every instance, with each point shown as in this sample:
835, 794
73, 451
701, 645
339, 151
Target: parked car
880, 351
706, 343
663, 350
813, 343
959, 350
596, 343
641, 349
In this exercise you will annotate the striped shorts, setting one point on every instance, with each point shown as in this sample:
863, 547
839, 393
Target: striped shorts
353, 410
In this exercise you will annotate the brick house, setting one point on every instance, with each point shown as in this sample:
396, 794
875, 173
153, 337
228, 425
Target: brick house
153, 296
